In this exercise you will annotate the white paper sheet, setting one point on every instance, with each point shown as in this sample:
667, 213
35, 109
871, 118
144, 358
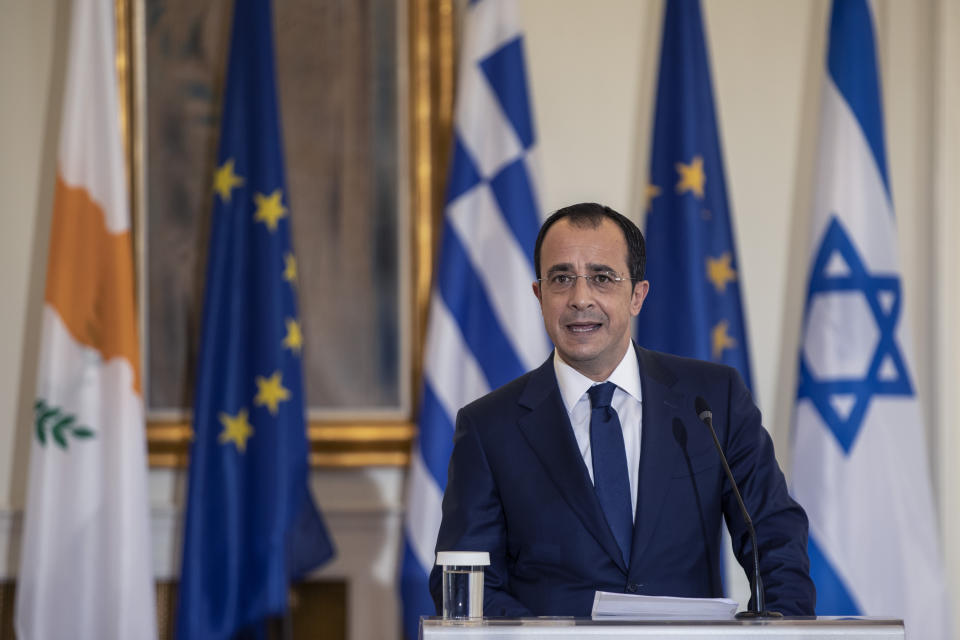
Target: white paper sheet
638, 607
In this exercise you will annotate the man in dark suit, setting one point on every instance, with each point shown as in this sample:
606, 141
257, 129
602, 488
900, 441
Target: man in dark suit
593, 472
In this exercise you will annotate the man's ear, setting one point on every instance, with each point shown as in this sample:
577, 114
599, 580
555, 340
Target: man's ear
536, 289
640, 291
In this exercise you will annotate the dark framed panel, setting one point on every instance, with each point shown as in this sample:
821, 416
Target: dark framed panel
366, 99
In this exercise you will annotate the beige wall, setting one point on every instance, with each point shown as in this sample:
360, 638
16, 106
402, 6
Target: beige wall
592, 69
30, 72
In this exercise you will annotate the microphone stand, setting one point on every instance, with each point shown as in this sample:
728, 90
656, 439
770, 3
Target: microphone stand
758, 610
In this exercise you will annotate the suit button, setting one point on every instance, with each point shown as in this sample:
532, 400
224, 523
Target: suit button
633, 587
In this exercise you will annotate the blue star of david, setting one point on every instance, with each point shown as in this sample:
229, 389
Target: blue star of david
895, 382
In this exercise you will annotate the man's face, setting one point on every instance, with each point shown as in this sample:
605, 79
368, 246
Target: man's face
590, 328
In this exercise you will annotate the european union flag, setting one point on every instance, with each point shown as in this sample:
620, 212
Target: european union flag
251, 524
693, 308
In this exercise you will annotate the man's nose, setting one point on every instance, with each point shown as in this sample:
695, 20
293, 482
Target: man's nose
581, 296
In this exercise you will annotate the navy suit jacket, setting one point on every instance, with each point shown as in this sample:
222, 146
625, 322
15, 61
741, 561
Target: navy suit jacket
518, 487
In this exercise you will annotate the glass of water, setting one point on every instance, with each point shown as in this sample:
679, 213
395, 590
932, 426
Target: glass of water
463, 583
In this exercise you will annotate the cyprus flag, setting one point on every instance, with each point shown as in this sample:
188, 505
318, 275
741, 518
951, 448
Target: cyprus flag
86, 570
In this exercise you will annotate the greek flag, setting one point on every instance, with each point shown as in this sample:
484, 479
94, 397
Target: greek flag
484, 324
860, 456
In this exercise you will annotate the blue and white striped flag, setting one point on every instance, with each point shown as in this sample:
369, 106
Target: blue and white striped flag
485, 327
860, 456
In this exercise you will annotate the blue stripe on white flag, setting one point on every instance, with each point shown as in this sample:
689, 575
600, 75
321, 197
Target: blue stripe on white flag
832, 591
513, 191
436, 431
851, 56
479, 336
416, 598
464, 294
506, 73
464, 174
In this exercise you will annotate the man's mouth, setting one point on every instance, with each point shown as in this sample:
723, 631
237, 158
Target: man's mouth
583, 327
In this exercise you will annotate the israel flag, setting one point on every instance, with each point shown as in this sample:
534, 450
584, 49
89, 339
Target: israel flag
860, 456
484, 324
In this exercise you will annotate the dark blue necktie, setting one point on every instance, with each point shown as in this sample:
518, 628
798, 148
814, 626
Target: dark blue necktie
611, 480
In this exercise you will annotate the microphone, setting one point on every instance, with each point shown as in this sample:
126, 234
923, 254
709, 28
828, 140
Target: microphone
758, 610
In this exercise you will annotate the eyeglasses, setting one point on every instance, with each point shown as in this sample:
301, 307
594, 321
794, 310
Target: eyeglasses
563, 281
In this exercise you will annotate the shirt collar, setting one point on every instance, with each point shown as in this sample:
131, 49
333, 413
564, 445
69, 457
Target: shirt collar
573, 384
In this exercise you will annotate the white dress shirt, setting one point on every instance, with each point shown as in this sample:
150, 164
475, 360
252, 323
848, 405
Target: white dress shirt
627, 402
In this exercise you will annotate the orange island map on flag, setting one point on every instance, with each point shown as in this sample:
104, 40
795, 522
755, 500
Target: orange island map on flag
86, 560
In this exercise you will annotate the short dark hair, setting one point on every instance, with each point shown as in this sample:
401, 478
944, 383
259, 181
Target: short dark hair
591, 214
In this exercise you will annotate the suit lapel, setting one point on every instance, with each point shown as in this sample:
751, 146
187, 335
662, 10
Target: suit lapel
658, 450
547, 429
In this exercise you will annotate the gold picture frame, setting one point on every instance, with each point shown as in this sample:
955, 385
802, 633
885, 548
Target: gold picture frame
427, 71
